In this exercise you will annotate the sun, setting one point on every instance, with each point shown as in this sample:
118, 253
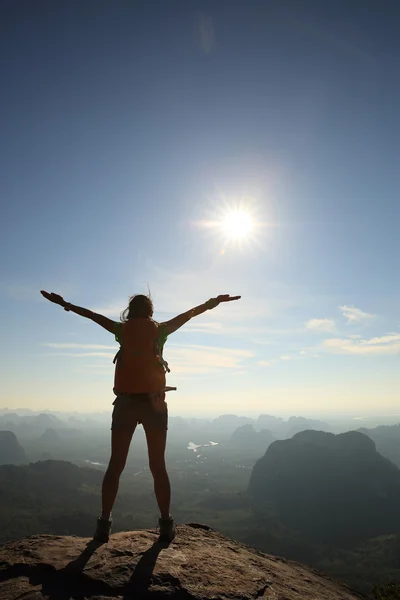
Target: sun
237, 224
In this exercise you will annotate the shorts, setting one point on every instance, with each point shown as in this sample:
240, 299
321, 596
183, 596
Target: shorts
150, 410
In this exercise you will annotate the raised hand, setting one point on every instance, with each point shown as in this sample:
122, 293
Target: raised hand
56, 298
226, 298
213, 302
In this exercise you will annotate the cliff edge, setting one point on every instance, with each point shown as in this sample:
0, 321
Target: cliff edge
200, 564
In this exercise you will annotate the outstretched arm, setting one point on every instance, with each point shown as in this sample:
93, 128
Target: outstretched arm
183, 318
83, 312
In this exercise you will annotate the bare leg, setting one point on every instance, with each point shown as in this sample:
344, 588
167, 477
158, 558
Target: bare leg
156, 441
120, 442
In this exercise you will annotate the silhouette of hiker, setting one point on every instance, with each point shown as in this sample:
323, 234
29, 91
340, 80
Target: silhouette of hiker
139, 386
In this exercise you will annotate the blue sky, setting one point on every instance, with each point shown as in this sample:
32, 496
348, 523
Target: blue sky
127, 125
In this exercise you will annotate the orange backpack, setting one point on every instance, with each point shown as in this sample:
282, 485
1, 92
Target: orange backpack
140, 367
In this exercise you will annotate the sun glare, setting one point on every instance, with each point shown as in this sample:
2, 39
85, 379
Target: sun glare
237, 225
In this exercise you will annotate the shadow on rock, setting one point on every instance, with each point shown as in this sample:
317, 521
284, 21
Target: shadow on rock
67, 582
62, 584
78, 564
142, 575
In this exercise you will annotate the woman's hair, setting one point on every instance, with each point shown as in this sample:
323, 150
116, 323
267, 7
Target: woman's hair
139, 306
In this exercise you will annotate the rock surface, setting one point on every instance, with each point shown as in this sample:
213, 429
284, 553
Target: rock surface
201, 564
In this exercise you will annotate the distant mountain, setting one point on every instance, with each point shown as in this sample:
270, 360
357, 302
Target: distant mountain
297, 424
332, 488
225, 425
282, 429
30, 426
55, 480
49, 420
19, 411
50, 436
46, 497
11, 453
246, 437
387, 440
270, 422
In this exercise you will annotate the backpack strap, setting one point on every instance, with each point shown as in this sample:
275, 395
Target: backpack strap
161, 339
118, 338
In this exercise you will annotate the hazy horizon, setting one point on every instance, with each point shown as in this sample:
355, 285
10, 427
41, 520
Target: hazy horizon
133, 132
377, 418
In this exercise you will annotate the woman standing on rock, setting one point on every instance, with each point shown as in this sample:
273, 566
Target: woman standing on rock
139, 386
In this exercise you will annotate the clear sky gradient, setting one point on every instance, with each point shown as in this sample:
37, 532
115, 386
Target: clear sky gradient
127, 125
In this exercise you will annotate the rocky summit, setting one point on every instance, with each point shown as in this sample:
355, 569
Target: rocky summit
200, 564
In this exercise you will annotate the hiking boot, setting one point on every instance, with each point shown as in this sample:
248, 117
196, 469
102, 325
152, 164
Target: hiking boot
167, 529
103, 528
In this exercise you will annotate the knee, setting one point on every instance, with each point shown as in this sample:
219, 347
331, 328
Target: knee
116, 466
158, 469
